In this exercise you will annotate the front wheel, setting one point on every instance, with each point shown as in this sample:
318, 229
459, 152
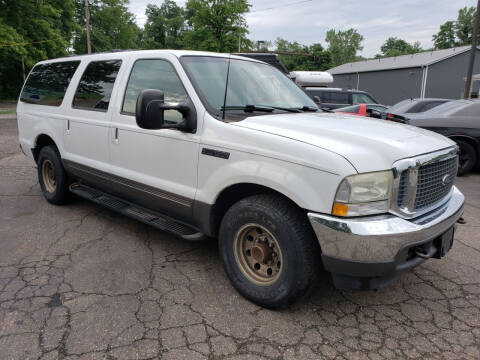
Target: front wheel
467, 157
268, 250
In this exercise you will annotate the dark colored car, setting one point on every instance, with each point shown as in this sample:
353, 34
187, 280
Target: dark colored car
412, 106
333, 98
460, 121
371, 110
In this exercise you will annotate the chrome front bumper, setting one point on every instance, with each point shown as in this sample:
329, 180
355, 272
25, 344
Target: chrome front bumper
379, 239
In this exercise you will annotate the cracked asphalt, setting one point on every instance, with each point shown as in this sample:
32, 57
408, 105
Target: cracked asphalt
82, 282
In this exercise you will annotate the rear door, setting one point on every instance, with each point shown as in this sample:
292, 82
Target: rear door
88, 119
335, 99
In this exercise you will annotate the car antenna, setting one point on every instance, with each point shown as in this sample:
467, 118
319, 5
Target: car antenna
226, 87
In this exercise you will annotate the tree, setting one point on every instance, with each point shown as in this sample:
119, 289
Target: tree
165, 26
445, 38
456, 33
319, 59
216, 25
112, 26
464, 25
395, 47
39, 29
343, 45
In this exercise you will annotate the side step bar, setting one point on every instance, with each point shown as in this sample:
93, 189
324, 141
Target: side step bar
149, 217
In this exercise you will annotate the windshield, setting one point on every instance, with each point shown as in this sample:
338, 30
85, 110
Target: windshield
249, 83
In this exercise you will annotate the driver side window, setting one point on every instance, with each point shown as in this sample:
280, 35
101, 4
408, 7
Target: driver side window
159, 75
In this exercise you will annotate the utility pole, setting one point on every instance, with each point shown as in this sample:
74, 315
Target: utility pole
468, 82
87, 27
239, 42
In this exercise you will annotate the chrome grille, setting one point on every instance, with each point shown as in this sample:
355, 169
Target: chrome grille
434, 182
403, 190
422, 182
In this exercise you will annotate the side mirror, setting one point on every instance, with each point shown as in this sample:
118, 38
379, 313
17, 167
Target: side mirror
150, 108
316, 98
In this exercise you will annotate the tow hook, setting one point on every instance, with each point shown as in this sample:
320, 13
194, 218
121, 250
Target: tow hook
461, 220
420, 252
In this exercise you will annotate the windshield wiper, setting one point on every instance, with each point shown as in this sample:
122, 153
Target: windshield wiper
249, 108
308, 108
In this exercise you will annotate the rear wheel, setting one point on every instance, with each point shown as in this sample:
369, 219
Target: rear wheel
467, 157
52, 176
268, 250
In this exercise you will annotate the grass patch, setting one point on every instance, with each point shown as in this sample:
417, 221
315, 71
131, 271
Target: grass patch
5, 112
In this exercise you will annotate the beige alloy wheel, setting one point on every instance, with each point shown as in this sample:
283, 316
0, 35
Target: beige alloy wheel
258, 254
48, 176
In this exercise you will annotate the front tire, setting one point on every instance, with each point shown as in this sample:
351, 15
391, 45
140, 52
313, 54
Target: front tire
268, 249
467, 157
52, 176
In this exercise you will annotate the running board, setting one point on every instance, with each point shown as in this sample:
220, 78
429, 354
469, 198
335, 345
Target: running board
126, 208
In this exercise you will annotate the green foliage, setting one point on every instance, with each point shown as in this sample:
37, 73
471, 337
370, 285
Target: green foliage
165, 26
395, 47
41, 30
445, 38
343, 45
216, 25
456, 33
319, 61
112, 26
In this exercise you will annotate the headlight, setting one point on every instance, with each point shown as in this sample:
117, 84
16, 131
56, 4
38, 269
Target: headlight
364, 194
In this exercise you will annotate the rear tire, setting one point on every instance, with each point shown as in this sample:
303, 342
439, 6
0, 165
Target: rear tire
467, 157
52, 176
269, 251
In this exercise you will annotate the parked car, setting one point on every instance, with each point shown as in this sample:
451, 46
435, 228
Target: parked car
211, 145
412, 106
372, 110
333, 98
460, 121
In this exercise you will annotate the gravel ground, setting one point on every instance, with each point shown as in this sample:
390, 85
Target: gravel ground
82, 282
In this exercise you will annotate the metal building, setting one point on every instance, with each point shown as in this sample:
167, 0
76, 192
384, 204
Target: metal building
439, 74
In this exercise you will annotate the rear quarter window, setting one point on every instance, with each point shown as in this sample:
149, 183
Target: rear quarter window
47, 83
331, 97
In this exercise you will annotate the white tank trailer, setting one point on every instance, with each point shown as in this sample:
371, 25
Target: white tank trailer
312, 78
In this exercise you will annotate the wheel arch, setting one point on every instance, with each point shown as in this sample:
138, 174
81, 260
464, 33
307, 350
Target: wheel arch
468, 139
228, 196
41, 141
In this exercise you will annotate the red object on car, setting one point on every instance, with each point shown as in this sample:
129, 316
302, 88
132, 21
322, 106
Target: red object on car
358, 109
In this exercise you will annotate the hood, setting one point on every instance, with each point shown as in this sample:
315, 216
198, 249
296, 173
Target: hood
368, 144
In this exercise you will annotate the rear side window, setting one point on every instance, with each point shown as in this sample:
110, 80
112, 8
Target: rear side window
331, 97
96, 85
155, 74
472, 110
48, 83
362, 99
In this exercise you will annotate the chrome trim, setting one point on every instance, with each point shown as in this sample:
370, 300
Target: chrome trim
412, 165
379, 238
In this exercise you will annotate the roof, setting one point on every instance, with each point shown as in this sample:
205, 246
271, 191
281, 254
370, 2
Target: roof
399, 62
126, 53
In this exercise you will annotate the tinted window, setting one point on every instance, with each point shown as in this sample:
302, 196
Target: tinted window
96, 85
331, 97
155, 74
401, 107
362, 99
48, 83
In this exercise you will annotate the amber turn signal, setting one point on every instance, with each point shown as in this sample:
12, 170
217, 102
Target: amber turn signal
340, 209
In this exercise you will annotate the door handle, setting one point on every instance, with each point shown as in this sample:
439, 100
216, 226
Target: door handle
68, 127
115, 135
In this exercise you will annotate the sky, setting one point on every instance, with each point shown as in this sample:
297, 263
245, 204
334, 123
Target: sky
307, 21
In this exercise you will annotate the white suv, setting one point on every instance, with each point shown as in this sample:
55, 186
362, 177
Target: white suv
204, 144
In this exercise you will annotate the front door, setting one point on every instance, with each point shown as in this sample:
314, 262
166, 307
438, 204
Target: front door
153, 168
